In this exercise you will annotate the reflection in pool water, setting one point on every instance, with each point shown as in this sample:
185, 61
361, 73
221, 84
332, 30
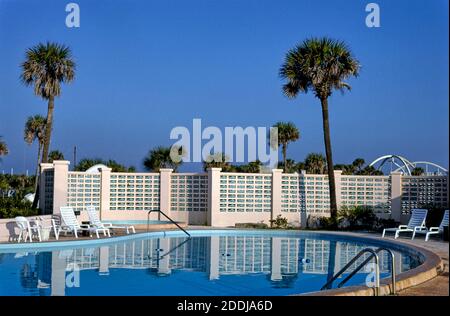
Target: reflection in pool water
213, 265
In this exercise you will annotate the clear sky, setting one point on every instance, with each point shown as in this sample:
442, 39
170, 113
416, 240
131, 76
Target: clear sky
144, 67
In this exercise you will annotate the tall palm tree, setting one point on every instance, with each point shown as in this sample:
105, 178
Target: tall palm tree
35, 130
3, 148
287, 132
46, 67
315, 164
160, 158
320, 65
55, 155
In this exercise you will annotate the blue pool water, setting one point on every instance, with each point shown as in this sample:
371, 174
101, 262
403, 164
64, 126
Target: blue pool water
210, 263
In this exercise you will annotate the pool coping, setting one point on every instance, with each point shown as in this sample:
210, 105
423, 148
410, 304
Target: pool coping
430, 268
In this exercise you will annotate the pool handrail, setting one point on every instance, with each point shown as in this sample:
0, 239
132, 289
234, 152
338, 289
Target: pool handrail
377, 269
391, 253
171, 250
171, 220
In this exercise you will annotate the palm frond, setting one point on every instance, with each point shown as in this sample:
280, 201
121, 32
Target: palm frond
46, 66
320, 64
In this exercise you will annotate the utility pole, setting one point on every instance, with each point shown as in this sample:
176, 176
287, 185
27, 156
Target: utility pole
74, 156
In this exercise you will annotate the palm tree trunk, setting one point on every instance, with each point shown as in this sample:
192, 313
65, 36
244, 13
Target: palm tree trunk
48, 129
47, 136
326, 135
36, 180
37, 168
284, 149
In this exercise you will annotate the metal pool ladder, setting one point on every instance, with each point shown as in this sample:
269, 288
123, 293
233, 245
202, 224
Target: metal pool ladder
373, 254
171, 220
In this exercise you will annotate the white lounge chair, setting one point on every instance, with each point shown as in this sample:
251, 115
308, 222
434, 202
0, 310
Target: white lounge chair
26, 230
433, 230
416, 223
96, 222
70, 224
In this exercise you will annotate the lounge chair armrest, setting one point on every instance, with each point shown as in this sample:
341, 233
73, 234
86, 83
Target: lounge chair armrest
403, 227
85, 226
420, 228
107, 224
434, 229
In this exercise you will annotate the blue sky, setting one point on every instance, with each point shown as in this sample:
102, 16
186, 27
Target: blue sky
144, 67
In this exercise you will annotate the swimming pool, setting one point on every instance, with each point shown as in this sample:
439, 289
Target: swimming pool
211, 263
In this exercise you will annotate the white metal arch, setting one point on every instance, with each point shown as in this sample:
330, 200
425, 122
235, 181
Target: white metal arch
406, 163
426, 163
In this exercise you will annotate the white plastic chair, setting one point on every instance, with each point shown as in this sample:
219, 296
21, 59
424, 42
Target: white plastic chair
70, 224
433, 230
53, 226
26, 230
416, 223
96, 222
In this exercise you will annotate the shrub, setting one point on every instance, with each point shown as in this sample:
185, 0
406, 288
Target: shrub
435, 214
279, 222
357, 217
385, 223
251, 225
14, 206
327, 223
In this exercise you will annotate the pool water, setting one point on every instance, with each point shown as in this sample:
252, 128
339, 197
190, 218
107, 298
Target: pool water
217, 264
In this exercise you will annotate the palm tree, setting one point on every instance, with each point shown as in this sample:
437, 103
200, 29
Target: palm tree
321, 65
160, 158
46, 67
300, 166
417, 171
345, 168
117, 167
370, 171
251, 167
290, 167
287, 132
218, 160
358, 164
35, 130
315, 164
86, 163
55, 155
3, 148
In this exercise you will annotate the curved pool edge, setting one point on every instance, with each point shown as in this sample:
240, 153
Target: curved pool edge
430, 268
